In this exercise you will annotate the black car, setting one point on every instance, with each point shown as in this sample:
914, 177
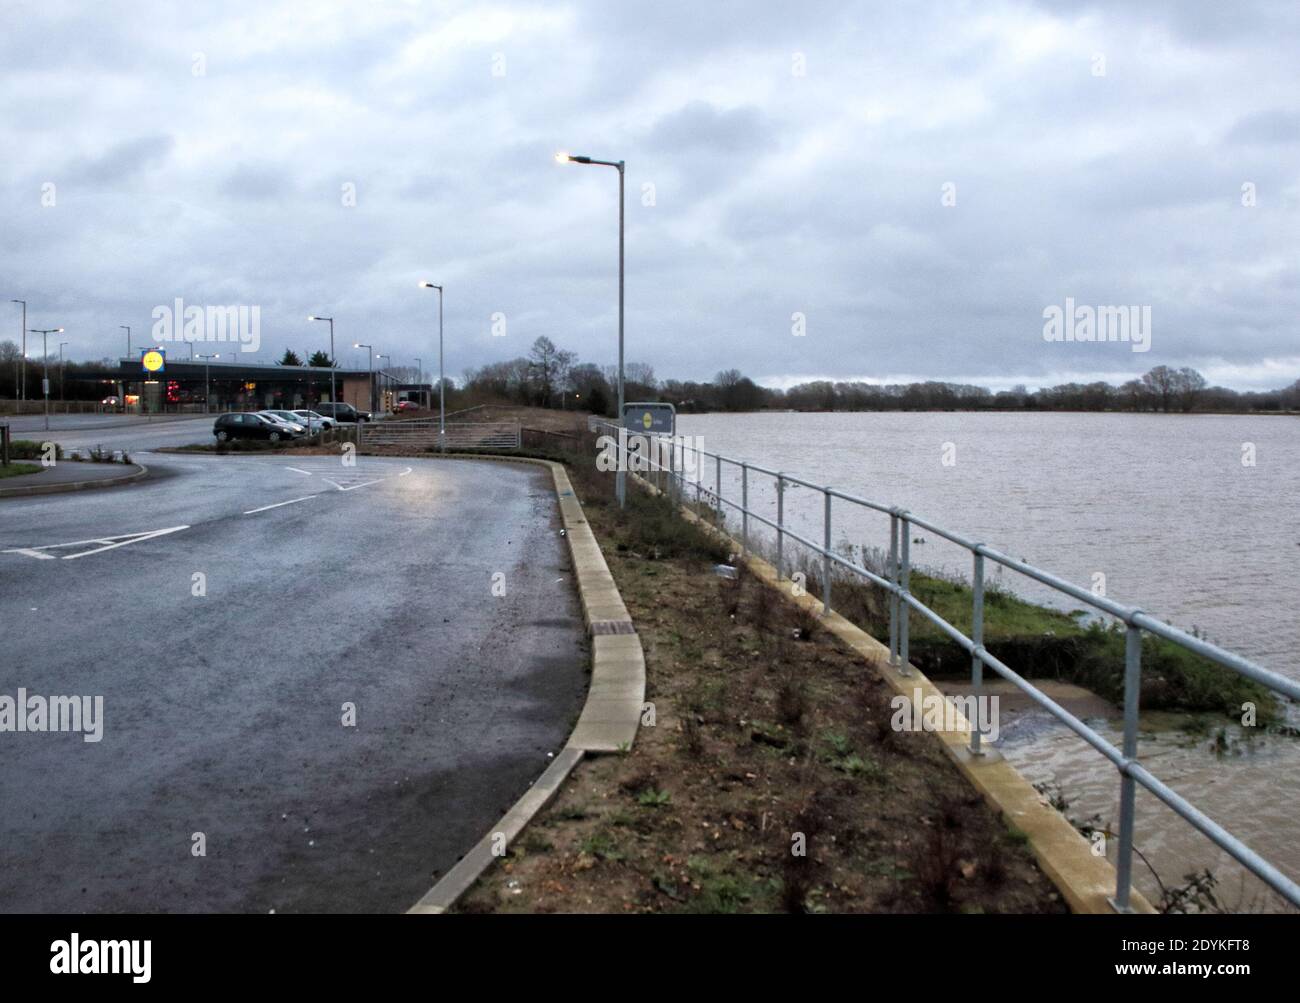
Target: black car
341, 411
246, 425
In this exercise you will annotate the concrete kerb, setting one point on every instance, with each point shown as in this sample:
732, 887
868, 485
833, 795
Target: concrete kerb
1086, 881
26, 491
612, 712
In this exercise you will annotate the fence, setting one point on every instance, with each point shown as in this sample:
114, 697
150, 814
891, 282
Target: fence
666, 459
423, 432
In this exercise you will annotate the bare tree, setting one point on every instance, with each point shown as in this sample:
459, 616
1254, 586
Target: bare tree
547, 368
1189, 386
1162, 382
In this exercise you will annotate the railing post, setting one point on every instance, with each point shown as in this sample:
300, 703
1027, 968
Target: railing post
717, 484
698, 478
977, 663
893, 596
667, 486
1127, 785
826, 555
744, 509
780, 526
905, 583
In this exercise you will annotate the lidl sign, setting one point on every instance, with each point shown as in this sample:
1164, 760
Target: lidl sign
153, 360
650, 418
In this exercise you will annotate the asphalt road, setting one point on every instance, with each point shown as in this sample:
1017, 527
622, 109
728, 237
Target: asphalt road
127, 432
222, 713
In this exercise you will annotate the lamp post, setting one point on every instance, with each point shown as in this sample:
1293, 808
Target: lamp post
333, 393
370, 364
63, 393
23, 392
619, 165
442, 399
383, 376
45, 365
207, 372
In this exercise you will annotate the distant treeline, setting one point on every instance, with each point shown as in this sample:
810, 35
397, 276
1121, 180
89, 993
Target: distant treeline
551, 377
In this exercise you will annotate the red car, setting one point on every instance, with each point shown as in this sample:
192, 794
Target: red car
401, 406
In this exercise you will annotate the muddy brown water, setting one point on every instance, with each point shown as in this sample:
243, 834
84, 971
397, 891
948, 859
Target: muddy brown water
1163, 507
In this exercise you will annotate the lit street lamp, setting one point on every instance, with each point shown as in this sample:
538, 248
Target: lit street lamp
333, 393
442, 397
45, 364
370, 364
619, 165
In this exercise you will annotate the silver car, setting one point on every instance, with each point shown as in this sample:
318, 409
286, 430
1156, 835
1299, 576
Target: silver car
315, 422
290, 423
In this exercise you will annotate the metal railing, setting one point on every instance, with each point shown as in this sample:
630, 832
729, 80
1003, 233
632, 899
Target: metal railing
459, 435
665, 460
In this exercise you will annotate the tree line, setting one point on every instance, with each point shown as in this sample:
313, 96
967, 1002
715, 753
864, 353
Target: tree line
549, 376
552, 377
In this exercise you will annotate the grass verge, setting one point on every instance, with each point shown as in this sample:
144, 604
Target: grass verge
19, 469
766, 778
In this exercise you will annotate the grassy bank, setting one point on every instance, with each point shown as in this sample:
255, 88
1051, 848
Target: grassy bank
1043, 643
766, 777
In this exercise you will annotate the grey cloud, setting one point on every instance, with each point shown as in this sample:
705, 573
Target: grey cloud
1275, 126
774, 194
121, 161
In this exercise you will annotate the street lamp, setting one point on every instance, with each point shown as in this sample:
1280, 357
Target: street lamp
207, 372
383, 375
442, 401
45, 365
619, 165
63, 393
370, 364
24, 366
333, 393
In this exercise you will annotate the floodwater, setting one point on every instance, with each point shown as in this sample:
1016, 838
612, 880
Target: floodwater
1194, 518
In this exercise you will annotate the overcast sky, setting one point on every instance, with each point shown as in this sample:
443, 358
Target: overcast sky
798, 155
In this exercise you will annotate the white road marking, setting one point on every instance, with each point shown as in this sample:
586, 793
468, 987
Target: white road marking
404, 472
297, 471
105, 543
131, 538
351, 487
264, 508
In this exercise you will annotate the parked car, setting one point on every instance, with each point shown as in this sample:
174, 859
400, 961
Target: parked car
288, 417
249, 425
315, 422
291, 424
402, 406
341, 412
112, 400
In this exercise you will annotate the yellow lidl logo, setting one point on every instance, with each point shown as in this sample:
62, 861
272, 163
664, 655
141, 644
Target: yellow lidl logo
152, 361
647, 420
